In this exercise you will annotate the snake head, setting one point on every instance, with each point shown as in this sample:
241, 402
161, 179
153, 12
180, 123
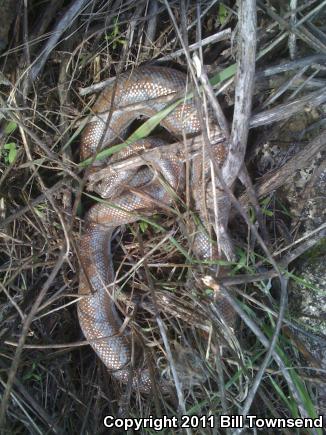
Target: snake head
107, 182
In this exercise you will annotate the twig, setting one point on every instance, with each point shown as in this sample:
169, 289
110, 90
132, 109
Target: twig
302, 33
151, 27
131, 30
65, 22
284, 111
311, 239
208, 88
287, 66
310, 13
292, 36
304, 83
318, 232
220, 36
285, 86
272, 181
223, 122
243, 92
48, 14
190, 26
27, 59
245, 179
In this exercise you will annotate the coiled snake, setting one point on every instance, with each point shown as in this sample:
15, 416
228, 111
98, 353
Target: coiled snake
143, 89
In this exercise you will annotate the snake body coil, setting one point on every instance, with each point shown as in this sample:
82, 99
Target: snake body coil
143, 90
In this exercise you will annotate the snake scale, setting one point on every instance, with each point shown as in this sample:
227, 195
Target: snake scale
143, 88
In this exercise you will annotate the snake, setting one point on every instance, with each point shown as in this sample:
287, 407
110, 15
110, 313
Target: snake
140, 93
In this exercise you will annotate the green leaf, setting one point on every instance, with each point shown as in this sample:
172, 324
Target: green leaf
39, 211
145, 129
222, 13
264, 205
252, 214
11, 147
10, 127
114, 36
289, 401
225, 74
268, 212
32, 374
143, 226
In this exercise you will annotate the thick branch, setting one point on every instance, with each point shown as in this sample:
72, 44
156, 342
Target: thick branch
243, 92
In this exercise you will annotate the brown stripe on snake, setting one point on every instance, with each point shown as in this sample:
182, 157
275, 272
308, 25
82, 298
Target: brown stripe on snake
98, 315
